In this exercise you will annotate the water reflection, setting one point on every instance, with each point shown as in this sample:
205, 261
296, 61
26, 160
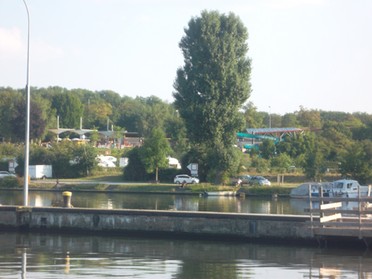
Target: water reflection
162, 202
56, 256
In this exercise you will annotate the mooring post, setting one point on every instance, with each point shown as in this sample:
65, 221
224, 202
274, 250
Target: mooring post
67, 199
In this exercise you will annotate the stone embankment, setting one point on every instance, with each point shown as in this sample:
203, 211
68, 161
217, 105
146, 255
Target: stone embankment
226, 226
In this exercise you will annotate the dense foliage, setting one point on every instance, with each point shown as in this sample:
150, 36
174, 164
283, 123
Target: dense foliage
154, 152
211, 87
342, 143
69, 160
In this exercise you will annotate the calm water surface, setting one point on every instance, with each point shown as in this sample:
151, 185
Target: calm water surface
162, 202
57, 256
84, 256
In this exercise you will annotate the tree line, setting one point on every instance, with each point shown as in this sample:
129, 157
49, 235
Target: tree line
335, 141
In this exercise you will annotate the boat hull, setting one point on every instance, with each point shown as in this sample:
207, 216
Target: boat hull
221, 193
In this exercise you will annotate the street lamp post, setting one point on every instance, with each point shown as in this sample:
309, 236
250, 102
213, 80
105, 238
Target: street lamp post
269, 116
27, 118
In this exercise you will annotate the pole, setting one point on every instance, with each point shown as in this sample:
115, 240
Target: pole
27, 128
269, 116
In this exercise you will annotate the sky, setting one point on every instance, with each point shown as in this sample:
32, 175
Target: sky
315, 54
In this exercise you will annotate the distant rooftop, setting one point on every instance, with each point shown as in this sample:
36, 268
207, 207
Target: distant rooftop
263, 131
277, 133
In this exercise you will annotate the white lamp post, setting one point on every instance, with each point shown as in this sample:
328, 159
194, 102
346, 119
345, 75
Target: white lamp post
269, 116
27, 129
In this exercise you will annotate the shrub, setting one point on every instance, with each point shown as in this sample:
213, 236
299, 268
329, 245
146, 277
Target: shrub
10, 182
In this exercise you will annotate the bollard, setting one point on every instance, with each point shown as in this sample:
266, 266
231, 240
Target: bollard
67, 199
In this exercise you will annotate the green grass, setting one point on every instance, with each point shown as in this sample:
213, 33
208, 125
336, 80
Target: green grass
142, 187
115, 183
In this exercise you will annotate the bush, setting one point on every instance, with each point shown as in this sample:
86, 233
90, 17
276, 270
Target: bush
4, 165
261, 165
10, 182
281, 163
167, 175
135, 170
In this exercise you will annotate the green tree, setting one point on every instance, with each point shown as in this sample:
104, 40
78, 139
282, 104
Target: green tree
261, 164
289, 120
97, 112
175, 129
61, 160
130, 114
222, 163
282, 162
9, 150
364, 132
84, 159
38, 120
69, 108
309, 118
38, 156
356, 163
267, 148
94, 137
271, 120
144, 114
253, 119
294, 146
155, 151
314, 159
8, 99
135, 170
213, 84
335, 137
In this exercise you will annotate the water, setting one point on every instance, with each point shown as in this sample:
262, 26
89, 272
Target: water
81, 256
162, 202
86, 256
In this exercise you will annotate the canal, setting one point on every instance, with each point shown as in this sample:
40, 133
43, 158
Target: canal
85, 256
266, 205
42, 255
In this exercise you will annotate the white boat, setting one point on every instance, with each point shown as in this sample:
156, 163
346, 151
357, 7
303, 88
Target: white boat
349, 189
221, 193
302, 191
345, 188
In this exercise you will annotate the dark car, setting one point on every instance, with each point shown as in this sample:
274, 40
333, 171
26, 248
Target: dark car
259, 180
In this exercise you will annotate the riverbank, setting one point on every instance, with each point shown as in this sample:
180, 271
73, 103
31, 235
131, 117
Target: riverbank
109, 184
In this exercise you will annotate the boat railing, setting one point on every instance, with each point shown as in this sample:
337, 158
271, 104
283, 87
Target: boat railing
333, 218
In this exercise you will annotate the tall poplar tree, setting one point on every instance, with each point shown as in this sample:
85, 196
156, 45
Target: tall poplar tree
212, 86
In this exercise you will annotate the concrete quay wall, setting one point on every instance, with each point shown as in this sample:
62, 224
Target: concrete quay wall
290, 228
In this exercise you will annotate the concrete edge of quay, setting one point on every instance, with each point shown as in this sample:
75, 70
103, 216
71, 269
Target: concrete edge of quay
267, 228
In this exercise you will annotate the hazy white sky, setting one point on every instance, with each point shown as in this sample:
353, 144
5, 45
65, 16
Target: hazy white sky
311, 53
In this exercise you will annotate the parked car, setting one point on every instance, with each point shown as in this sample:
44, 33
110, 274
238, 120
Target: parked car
6, 174
240, 180
245, 178
185, 179
259, 180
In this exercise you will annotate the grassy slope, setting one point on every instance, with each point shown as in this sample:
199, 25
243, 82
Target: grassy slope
115, 183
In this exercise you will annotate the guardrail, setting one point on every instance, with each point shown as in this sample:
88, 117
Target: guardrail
341, 217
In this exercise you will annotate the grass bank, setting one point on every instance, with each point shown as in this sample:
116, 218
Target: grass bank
114, 184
